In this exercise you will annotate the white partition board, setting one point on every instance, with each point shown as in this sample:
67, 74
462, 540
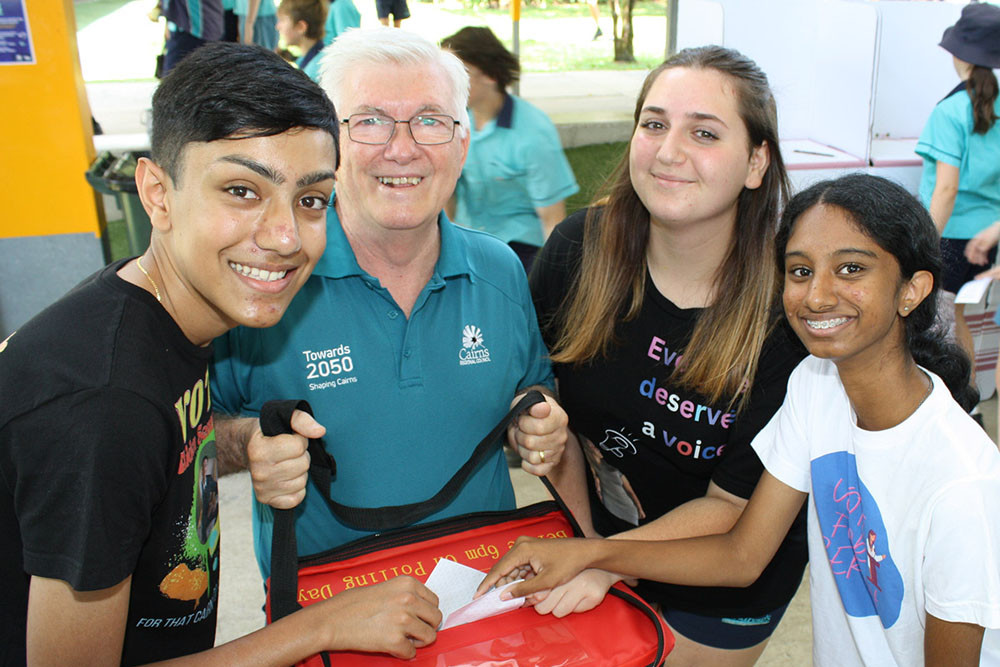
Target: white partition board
913, 72
801, 154
802, 178
819, 56
845, 51
699, 22
908, 177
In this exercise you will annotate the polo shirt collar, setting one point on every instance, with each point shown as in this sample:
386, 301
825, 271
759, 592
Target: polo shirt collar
505, 118
957, 89
338, 260
310, 54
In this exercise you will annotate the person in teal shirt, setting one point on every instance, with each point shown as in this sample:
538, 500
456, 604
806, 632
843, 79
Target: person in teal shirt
960, 145
341, 15
300, 24
256, 19
516, 177
412, 336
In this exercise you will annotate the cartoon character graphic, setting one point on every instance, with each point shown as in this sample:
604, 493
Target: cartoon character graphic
874, 560
208, 499
613, 488
191, 577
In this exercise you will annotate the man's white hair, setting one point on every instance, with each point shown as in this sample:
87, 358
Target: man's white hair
353, 49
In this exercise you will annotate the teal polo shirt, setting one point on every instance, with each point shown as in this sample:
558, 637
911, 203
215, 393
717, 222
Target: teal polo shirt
948, 137
341, 16
404, 401
267, 8
515, 165
310, 60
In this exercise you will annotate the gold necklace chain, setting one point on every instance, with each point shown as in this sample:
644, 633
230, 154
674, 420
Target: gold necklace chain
138, 261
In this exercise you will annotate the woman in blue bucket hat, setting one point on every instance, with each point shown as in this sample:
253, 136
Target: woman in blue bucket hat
960, 146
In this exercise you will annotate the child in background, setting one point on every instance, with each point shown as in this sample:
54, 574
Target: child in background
341, 15
300, 24
257, 23
960, 144
905, 486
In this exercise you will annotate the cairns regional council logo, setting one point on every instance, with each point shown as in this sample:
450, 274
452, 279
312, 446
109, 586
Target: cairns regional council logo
473, 350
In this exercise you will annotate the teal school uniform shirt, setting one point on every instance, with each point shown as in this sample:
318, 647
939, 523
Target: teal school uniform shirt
404, 401
343, 14
515, 165
948, 137
267, 8
310, 60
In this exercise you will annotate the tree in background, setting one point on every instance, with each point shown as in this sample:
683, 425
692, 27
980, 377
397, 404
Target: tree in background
621, 22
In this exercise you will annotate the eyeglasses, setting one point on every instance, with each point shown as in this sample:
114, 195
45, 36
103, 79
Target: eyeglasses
426, 129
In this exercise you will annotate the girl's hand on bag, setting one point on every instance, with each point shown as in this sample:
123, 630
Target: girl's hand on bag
581, 593
552, 561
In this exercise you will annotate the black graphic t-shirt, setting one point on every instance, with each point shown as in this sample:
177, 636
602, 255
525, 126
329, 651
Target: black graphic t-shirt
108, 467
652, 445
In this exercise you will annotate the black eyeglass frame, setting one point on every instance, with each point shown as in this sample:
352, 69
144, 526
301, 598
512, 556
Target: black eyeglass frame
392, 133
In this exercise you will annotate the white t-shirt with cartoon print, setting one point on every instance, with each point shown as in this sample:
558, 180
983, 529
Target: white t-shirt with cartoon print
901, 521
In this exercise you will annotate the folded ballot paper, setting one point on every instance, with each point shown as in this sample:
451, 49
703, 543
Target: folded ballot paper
454, 584
973, 291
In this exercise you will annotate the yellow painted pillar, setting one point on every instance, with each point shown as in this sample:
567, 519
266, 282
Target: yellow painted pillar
51, 220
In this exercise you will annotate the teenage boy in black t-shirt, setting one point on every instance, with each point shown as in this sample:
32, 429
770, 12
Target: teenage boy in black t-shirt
108, 467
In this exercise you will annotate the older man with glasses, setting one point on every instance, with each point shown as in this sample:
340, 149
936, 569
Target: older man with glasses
412, 336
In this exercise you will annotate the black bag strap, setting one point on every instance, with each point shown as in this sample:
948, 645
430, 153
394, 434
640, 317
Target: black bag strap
275, 419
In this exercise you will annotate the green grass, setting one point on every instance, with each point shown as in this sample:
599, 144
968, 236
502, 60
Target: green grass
591, 166
558, 37
88, 11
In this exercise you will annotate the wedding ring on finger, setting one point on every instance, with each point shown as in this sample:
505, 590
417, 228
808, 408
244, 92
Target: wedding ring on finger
541, 456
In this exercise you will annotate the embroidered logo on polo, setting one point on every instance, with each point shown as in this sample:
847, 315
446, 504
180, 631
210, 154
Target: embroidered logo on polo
329, 368
473, 350
854, 535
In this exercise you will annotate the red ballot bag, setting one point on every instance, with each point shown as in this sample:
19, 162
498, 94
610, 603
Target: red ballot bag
622, 631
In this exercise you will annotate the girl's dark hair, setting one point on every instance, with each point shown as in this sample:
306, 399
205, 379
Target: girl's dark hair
479, 47
900, 225
722, 356
982, 87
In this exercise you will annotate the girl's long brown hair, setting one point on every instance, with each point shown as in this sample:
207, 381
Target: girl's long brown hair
982, 87
722, 357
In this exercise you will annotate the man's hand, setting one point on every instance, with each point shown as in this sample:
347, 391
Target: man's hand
279, 465
539, 435
395, 617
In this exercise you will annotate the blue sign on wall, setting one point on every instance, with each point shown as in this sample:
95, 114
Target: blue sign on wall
15, 35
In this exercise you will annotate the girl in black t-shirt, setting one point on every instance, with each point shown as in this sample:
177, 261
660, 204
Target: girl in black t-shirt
658, 306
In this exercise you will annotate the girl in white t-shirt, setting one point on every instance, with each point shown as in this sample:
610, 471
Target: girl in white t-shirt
905, 488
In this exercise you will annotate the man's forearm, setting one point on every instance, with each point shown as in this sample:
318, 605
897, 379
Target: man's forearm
232, 434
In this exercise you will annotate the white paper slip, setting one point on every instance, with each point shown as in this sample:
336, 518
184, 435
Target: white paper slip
973, 291
455, 584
